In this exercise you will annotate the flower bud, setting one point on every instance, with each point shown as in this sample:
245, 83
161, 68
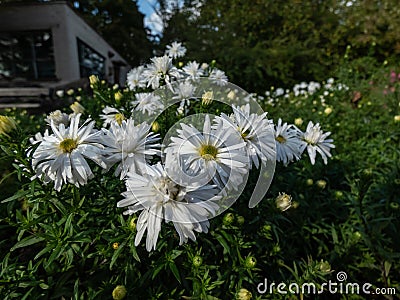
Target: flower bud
309, 182
93, 79
240, 220
7, 124
115, 246
197, 261
397, 118
243, 294
298, 121
207, 98
132, 224
283, 201
250, 262
70, 92
321, 184
228, 219
119, 292
118, 96
155, 127
324, 266
77, 108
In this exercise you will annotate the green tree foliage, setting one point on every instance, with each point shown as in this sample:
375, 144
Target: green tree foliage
278, 43
121, 24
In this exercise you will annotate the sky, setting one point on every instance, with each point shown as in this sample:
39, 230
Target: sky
151, 20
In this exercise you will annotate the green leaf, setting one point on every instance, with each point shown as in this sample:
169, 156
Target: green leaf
174, 269
17, 195
224, 244
30, 240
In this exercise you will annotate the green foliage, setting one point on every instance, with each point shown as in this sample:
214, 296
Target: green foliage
344, 216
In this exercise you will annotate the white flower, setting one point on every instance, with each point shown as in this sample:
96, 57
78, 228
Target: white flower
160, 69
315, 141
60, 93
148, 102
288, 142
175, 50
216, 152
193, 70
60, 157
57, 117
130, 146
112, 115
159, 197
218, 77
184, 91
255, 130
135, 78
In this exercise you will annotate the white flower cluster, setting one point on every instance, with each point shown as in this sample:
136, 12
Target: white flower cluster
203, 161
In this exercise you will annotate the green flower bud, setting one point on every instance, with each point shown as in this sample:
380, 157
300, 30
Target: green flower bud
240, 220
324, 266
197, 261
250, 262
243, 294
228, 219
321, 184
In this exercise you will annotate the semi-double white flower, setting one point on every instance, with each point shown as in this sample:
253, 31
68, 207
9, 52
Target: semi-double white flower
129, 145
216, 152
61, 156
159, 198
254, 130
314, 139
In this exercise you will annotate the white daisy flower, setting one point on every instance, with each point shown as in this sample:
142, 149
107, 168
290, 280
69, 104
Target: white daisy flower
148, 102
184, 91
216, 152
218, 77
159, 197
135, 78
130, 146
112, 115
315, 141
160, 69
60, 157
255, 130
57, 117
175, 50
288, 142
193, 70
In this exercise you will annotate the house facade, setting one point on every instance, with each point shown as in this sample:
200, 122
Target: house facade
49, 46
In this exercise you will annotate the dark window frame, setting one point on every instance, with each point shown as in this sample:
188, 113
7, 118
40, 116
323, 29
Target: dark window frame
84, 70
38, 67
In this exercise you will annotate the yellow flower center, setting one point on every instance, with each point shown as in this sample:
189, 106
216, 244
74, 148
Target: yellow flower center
119, 118
208, 152
280, 139
68, 145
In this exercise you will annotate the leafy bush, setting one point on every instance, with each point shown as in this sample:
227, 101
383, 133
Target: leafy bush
315, 221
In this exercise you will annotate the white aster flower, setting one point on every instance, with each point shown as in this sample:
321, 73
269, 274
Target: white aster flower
148, 102
112, 115
288, 142
255, 130
159, 197
175, 50
315, 141
60, 157
218, 77
216, 152
184, 91
135, 78
130, 146
161, 68
58, 118
193, 70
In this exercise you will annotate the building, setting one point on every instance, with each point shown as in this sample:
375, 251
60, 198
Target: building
48, 46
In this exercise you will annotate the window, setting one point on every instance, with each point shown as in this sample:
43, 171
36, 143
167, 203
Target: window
90, 61
27, 54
